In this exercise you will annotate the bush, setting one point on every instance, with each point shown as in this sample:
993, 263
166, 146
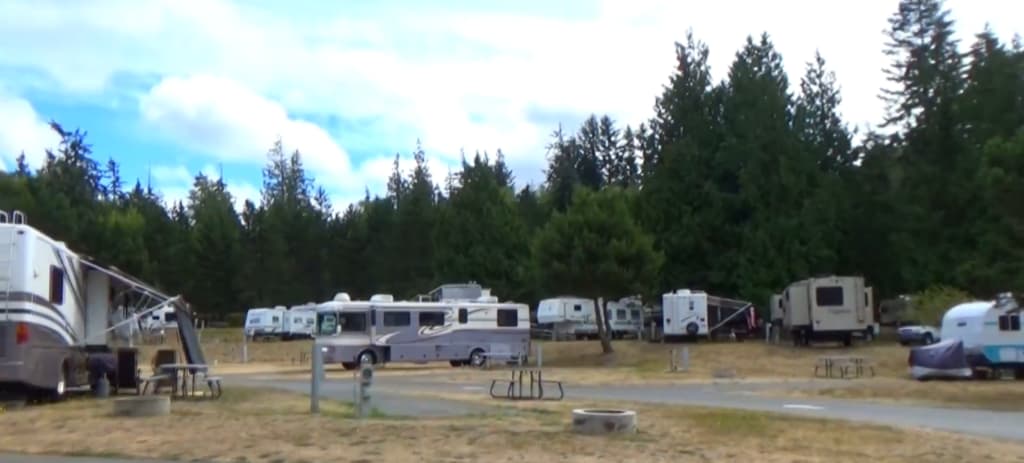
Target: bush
930, 305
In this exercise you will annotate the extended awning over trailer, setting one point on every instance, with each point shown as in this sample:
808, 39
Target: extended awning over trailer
108, 289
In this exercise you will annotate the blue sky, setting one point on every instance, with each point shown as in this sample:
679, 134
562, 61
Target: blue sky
172, 88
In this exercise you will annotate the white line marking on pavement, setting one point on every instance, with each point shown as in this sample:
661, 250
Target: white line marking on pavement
803, 407
473, 388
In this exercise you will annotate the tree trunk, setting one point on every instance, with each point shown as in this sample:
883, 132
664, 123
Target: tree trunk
602, 332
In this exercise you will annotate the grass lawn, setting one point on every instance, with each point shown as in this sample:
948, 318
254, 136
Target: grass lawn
254, 425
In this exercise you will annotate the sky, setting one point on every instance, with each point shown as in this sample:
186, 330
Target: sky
173, 88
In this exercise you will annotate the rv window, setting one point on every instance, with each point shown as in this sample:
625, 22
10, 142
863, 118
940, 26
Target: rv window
620, 314
431, 318
577, 308
508, 317
275, 319
635, 314
397, 319
297, 321
56, 285
463, 316
170, 317
328, 324
1009, 323
828, 296
353, 322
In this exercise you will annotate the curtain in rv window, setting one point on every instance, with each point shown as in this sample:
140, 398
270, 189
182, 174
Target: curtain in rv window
463, 316
328, 324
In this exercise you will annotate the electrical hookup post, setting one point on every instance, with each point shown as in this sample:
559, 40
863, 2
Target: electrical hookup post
362, 385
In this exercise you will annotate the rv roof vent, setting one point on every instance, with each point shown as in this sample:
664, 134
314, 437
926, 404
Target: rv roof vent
342, 297
382, 298
280, 307
18, 217
683, 291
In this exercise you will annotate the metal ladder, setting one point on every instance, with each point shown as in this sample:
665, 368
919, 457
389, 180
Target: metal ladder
7, 263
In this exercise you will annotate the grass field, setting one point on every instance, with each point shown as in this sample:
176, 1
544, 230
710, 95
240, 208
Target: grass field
250, 425
581, 362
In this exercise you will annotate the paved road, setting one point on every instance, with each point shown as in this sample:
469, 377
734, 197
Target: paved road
1007, 425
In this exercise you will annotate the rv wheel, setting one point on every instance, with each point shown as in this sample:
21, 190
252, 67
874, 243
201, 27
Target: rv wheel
476, 358
367, 358
928, 338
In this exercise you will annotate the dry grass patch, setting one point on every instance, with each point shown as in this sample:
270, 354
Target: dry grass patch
263, 426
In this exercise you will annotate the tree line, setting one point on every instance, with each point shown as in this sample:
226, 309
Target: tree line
737, 187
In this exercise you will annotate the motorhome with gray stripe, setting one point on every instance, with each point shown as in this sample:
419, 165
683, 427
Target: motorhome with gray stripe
382, 330
56, 309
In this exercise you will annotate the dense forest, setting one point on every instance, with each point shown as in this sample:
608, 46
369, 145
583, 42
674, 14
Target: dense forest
736, 187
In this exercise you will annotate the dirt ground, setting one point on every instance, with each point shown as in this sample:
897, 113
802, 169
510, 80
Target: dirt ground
263, 426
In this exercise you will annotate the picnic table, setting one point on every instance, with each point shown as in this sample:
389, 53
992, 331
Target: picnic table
184, 371
532, 378
843, 366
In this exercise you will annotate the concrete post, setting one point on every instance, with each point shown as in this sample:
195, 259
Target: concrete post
314, 386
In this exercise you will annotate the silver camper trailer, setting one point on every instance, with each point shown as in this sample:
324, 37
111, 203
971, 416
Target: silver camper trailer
58, 311
460, 332
834, 308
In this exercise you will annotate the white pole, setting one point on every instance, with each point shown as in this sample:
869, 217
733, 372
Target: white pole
540, 355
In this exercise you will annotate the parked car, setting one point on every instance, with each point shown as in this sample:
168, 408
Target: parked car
918, 334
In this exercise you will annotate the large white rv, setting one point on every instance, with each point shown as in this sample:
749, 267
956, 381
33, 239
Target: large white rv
569, 317
160, 319
828, 308
384, 331
55, 313
693, 313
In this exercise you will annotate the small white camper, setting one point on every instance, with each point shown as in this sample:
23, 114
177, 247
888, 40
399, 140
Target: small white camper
990, 332
692, 313
625, 317
569, 317
265, 322
160, 319
299, 322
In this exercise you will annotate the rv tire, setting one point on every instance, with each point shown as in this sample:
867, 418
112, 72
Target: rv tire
928, 339
476, 358
366, 357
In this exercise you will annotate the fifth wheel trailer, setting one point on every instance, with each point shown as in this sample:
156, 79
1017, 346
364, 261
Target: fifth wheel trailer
830, 308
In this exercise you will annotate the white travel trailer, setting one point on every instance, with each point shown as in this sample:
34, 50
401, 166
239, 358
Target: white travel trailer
625, 316
693, 313
56, 308
460, 332
160, 319
569, 317
990, 331
828, 308
265, 322
299, 321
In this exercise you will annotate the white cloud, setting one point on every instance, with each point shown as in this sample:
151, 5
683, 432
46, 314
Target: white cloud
23, 130
224, 119
454, 79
